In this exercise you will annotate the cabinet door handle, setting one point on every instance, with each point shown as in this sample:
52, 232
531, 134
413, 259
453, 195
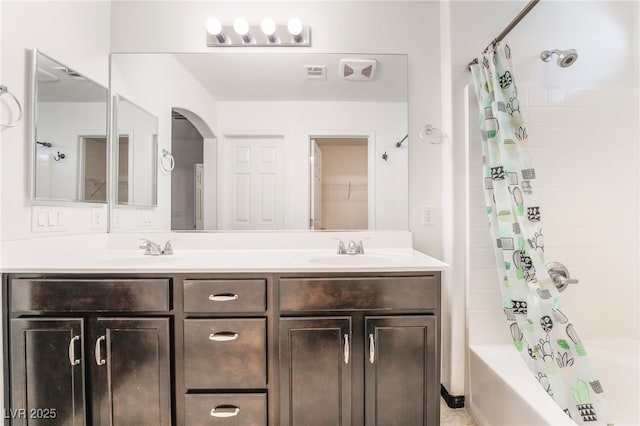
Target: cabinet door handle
224, 336
225, 411
346, 349
98, 350
372, 349
72, 350
226, 297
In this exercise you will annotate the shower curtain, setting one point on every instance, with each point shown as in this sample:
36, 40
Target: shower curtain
541, 333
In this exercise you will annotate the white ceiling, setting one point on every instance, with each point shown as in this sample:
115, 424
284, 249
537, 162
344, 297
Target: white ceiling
283, 77
55, 84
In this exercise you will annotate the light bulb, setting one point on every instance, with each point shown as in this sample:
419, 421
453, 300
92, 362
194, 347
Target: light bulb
295, 28
268, 26
214, 27
241, 26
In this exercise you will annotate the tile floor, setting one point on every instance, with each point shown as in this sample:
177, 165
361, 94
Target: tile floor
454, 417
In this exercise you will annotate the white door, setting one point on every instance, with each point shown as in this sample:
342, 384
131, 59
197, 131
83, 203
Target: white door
198, 185
254, 183
316, 186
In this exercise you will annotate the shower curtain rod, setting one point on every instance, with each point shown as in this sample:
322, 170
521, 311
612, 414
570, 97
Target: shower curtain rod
509, 27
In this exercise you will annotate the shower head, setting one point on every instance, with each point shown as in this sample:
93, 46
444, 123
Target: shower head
566, 58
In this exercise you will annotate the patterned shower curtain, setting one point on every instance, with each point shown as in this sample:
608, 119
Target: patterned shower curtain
542, 334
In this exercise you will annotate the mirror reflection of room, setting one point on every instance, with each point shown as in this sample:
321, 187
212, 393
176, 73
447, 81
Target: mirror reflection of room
70, 134
137, 154
94, 167
249, 166
187, 177
340, 183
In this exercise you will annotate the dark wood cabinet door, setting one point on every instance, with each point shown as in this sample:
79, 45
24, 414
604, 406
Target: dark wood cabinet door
315, 371
132, 361
47, 372
401, 386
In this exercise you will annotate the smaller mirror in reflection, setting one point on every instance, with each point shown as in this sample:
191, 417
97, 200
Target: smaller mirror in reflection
70, 134
137, 154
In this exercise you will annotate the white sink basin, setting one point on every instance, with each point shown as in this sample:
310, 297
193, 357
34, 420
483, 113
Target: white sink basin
366, 259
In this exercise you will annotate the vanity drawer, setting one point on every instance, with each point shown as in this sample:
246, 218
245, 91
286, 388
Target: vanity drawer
225, 296
90, 295
348, 294
225, 353
226, 409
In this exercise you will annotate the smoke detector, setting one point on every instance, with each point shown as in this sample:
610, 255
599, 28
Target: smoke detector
358, 69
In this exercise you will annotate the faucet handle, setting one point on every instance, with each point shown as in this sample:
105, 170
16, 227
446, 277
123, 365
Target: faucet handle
341, 247
360, 248
147, 245
168, 248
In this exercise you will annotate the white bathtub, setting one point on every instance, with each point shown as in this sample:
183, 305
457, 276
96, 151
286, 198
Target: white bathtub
504, 392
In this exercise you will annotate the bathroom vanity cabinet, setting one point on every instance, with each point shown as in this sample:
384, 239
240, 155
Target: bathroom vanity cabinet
359, 350
89, 351
223, 349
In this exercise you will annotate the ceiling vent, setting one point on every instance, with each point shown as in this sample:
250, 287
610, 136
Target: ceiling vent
45, 76
316, 72
358, 69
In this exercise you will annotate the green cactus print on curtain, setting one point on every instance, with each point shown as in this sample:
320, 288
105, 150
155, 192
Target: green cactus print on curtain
541, 333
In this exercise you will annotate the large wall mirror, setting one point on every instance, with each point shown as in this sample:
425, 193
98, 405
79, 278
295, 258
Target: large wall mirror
275, 141
69, 133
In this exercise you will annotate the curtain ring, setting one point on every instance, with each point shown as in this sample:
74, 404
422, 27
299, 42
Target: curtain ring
167, 156
3, 90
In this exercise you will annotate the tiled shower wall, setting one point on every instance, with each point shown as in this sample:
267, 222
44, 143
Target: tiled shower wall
584, 144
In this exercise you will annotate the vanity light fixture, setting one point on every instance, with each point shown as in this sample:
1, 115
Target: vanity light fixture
267, 34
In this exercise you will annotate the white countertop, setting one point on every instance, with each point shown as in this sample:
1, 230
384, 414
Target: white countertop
208, 254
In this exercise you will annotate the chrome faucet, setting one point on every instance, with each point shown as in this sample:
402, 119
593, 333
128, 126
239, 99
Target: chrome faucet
154, 249
351, 248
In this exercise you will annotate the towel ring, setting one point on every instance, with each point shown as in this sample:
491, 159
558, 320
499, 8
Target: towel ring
3, 90
428, 131
167, 156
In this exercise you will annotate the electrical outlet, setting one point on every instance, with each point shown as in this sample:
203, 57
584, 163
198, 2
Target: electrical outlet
96, 218
427, 216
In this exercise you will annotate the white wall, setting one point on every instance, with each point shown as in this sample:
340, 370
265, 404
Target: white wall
74, 33
584, 118
385, 122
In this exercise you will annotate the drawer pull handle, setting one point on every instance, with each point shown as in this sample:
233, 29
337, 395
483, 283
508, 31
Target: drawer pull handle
346, 349
72, 350
225, 411
223, 336
372, 349
226, 297
99, 359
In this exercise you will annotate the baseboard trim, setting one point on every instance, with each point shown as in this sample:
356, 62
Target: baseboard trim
453, 401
